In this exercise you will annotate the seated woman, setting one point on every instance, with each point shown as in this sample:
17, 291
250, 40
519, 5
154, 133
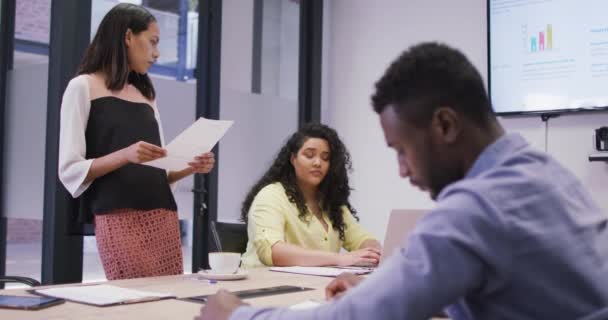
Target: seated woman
299, 214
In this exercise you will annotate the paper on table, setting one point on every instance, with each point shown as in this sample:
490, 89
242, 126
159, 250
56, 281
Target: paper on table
199, 138
320, 271
308, 304
102, 295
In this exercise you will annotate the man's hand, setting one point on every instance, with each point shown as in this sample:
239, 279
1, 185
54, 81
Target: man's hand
338, 286
220, 306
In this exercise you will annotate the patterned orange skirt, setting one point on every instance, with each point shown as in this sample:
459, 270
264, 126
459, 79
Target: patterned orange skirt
139, 243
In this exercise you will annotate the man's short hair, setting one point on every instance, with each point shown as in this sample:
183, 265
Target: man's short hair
428, 76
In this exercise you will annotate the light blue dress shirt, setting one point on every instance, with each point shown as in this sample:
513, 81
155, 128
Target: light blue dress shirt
518, 238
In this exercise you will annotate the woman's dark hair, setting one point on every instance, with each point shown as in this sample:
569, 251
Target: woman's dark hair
108, 52
334, 189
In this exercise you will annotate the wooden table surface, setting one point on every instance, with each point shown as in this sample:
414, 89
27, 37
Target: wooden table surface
182, 286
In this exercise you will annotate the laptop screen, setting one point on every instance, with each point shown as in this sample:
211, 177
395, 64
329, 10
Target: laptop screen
401, 223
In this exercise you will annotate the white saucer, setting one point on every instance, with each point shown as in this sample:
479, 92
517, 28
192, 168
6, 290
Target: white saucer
208, 274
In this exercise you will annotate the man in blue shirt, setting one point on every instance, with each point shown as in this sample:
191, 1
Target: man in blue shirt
514, 234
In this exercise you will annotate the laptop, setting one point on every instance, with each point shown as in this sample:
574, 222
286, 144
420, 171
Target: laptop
401, 223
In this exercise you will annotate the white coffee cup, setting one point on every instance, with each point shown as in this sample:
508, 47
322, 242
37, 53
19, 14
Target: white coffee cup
224, 262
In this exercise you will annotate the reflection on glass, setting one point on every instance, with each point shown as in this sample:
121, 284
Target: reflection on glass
32, 32
178, 48
263, 120
33, 20
280, 45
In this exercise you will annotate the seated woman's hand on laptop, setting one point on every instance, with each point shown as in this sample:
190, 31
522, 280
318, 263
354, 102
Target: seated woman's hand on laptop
341, 284
362, 257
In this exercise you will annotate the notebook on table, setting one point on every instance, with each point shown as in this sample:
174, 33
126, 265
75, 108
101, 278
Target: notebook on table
102, 295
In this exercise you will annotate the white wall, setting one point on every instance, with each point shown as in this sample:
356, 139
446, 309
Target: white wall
365, 37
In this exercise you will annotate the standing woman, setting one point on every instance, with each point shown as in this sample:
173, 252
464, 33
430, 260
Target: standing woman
109, 126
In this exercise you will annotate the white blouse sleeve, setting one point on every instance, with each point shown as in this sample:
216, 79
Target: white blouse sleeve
75, 107
173, 185
160, 125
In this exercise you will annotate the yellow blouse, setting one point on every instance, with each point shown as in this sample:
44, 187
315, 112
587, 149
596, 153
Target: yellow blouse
272, 218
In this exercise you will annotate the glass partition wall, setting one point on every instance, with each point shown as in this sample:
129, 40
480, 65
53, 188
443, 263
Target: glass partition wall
24, 138
260, 88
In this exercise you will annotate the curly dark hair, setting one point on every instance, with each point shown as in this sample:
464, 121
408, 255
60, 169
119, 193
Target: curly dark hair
432, 75
333, 191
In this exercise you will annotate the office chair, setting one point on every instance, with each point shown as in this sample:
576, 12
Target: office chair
16, 279
228, 237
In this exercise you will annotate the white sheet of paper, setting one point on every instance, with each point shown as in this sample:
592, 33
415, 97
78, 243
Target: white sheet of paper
319, 271
102, 295
308, 304
199, 138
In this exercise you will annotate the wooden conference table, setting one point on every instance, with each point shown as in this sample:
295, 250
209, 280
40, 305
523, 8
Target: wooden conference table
182, 286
